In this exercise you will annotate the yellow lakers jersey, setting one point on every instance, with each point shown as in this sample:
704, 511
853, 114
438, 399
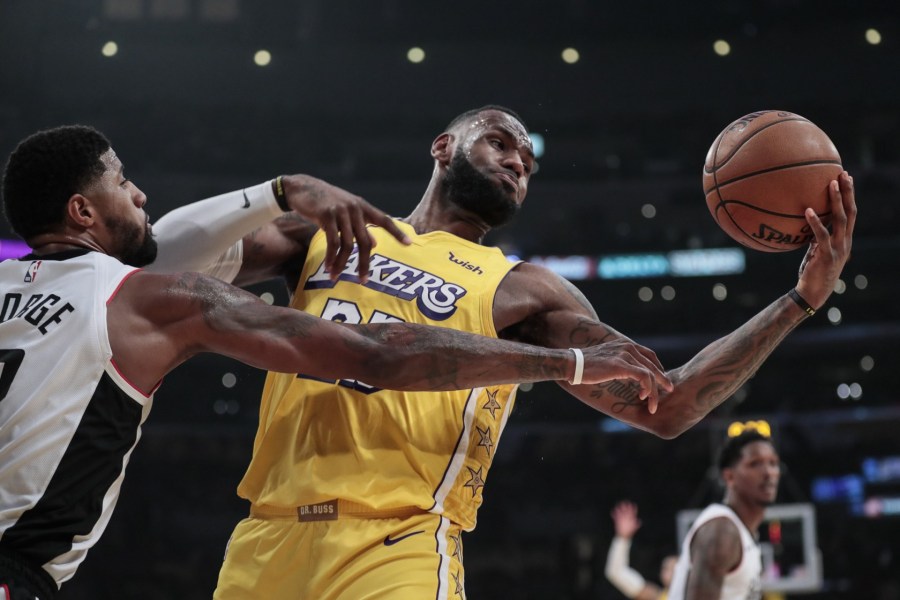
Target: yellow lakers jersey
320, 441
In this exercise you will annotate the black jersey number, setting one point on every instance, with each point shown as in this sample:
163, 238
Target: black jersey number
9, 364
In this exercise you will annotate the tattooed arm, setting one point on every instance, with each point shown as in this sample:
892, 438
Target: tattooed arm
156, 322
536, 306
715, 552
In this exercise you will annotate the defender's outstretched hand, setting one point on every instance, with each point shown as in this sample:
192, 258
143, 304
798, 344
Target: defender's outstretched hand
827, 256
342, 216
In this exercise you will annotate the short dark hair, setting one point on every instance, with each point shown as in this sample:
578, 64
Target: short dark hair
475, 111
43, 172
730, 454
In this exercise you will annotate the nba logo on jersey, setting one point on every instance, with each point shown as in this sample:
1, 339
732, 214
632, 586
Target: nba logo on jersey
31, 273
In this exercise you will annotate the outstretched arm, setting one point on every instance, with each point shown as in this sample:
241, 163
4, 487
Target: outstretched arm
536, 306
618, 571
158, 321
206, 236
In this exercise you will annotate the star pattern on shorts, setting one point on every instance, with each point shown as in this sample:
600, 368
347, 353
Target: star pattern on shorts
486, 442
476, 481
459, 588
457, 548
492, 404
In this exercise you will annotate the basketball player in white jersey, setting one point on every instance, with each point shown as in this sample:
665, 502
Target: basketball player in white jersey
720, 556
86, 337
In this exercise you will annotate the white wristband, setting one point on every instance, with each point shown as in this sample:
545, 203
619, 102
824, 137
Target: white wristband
579, 366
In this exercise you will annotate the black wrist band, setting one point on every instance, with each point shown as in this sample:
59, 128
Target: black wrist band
280, 196
796, 297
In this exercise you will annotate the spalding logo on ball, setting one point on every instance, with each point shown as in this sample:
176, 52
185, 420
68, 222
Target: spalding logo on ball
762, 172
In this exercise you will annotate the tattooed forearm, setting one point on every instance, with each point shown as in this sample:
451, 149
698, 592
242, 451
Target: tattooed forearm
439, 358
739, 358
588, 332
626, 393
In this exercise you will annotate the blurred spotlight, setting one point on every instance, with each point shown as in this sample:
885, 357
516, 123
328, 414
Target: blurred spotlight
834, 315
537, 141
645, 294
262, 58
110, 49
415, 55
843, 391
855, 391
220, 407
229, 379
840, 286
570, 56
741, 394
861, 282
873, 36
719, 291
648, 210
667, 293
267, 297
867, 363
526, 387
721, 47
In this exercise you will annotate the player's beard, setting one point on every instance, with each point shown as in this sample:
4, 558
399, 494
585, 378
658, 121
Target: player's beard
468, 188
137, 246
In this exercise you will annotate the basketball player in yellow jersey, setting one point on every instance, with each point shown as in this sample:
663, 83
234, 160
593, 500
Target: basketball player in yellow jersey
359, 493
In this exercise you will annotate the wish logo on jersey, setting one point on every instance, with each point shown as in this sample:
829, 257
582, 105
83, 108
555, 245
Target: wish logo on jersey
435, 297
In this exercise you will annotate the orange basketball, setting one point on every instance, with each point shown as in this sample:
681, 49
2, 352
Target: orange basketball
762, 172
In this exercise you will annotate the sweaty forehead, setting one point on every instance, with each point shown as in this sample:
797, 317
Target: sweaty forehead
111, 161
491, 120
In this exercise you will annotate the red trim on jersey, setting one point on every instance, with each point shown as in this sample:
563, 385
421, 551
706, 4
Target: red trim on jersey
113, 362
7, 595
134, 387
118, 287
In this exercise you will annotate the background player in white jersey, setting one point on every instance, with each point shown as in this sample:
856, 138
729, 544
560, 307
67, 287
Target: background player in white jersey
619, 572
86, 338
720, 556
420, 476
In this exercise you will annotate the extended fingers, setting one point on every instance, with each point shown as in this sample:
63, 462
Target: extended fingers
648, 358
345, 225
848, 201
376, 217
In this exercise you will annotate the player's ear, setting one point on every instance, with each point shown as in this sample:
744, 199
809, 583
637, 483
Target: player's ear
727, 476
80, 211
442, 148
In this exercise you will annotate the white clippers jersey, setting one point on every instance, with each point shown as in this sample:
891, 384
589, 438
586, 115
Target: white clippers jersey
68, 420
743, 583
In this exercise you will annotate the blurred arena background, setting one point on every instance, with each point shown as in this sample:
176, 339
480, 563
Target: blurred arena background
204, 96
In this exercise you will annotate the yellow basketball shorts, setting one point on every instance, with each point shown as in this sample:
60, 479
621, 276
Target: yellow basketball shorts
412, 557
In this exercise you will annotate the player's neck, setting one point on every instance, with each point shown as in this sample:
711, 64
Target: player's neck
51, 243
435, 214
750, 515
